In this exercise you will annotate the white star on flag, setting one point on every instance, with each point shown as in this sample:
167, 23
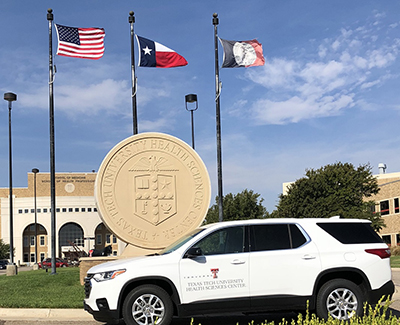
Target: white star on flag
147, 50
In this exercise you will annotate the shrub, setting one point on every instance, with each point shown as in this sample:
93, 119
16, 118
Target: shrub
395, 250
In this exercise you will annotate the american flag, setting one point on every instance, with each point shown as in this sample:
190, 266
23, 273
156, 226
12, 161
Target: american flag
85, 43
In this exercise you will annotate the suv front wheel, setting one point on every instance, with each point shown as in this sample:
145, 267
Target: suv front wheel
340, 298
147, 305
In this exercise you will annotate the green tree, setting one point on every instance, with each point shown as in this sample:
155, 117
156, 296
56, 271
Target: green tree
4, 250
244, 205
334, 190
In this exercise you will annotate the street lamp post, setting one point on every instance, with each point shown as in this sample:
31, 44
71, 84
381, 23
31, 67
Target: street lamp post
191, 98
10, 97
35, 171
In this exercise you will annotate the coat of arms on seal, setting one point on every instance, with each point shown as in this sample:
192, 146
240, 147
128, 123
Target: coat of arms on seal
154, 189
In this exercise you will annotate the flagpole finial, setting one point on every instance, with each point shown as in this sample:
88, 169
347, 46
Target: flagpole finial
49, 14
131, 17
215, 19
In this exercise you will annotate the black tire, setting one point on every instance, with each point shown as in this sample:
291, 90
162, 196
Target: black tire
340, 298
147, 304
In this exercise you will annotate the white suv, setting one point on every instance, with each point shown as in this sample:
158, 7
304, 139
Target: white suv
249, 266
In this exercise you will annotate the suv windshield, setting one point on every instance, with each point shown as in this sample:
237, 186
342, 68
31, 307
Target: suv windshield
174, 246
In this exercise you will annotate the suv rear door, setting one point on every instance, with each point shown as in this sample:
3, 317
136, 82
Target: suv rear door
284, 263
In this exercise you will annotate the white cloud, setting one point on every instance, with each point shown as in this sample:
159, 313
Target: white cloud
325, 85
296, 109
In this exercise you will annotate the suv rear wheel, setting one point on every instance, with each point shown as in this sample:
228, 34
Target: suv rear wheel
340, 298
147, 305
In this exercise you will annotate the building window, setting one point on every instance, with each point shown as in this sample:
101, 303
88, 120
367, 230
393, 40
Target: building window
114, 240
26, 210
76, 209
32, 257
114, 253
108, 238
64, 209
26, 243
32, 210
57, 209
32, 240
396, 205
38, 210
41, 256
70, 210
71, 233
384, 207
32, 227
98, 239
45, 210
42, 241
83, 210
94, 209
89, 209
20, 210
26, 256
386, 239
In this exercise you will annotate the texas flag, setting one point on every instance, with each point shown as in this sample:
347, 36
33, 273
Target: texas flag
153, 54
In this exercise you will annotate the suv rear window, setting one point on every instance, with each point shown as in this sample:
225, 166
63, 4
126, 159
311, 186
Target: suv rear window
351, 233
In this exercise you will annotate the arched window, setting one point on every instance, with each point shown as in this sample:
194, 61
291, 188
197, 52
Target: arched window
71, 233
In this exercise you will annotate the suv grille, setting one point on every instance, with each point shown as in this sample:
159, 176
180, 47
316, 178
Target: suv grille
88, 286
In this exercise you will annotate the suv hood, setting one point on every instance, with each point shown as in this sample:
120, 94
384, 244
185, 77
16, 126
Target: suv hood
126, 263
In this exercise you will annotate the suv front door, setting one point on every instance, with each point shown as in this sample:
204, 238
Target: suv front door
221, 272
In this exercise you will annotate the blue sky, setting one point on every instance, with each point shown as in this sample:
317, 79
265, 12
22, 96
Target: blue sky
329, 91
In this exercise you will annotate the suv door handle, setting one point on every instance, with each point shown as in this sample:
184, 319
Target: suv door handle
308, 257
236, 261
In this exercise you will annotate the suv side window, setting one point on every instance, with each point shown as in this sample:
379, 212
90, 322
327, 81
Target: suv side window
224, 241
351, 233
274, 237
297, 236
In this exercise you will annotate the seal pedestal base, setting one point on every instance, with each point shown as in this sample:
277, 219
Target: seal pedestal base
87, 262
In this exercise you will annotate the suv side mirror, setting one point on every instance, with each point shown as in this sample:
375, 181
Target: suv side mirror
194, 252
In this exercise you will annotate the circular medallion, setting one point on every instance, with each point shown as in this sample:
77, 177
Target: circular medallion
244, 53
69, 188
151, 189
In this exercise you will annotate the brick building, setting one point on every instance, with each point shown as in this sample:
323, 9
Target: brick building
77, 219
387, 203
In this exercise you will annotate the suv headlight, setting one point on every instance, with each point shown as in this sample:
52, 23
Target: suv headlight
109, 275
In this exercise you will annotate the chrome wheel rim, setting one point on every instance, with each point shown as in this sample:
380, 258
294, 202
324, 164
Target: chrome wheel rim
342, 304
148, 309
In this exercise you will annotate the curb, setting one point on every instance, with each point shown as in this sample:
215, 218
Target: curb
48, 314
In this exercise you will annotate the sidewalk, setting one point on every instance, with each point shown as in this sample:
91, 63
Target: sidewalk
45, 314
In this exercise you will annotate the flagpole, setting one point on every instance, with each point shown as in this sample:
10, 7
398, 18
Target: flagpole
52, 159
218, 120
134, 107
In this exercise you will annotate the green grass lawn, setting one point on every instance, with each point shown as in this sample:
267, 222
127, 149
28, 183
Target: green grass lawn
395, 261
41, 289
